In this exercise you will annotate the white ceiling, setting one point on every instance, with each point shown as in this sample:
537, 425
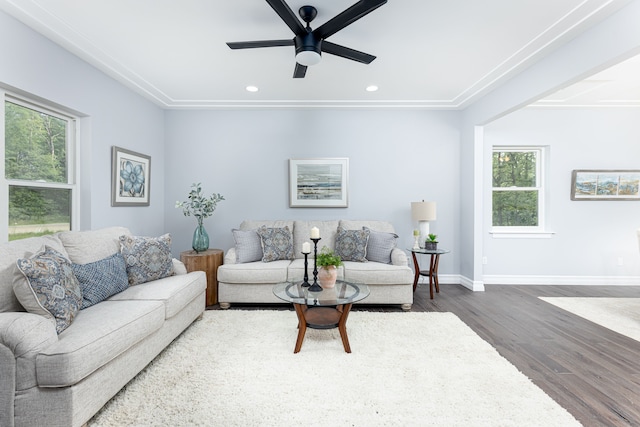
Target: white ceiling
430, 53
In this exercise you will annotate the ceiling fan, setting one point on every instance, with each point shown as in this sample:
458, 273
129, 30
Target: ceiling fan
310, 43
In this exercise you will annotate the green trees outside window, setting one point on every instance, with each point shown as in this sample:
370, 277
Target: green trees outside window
516, 188
37, 170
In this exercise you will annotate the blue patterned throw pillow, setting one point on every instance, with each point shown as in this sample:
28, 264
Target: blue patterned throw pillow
147, 258
101, 279
277, 243
351, 245
52, 289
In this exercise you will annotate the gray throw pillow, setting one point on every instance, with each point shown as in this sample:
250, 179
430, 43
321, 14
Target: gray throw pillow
52, 289
277, 243
147, 258
351, 245
380, 246
101, 279
248, 245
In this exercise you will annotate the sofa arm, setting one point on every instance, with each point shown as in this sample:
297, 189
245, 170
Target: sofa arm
230, 256
22, 337
7, 385
399, 257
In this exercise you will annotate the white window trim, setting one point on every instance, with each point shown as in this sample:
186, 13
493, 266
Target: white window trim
532, 232
73, 158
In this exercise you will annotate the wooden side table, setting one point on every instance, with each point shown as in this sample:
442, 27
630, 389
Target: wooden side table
433, 268
207, 261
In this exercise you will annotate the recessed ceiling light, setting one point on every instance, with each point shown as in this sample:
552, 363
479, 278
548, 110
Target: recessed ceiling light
252, 88
372, 88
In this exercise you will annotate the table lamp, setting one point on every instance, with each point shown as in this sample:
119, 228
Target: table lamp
423, 212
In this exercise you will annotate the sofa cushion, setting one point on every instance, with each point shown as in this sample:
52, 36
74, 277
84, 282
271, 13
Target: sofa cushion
351, 245
255, 224
88, 246
302, 233
248, 245
375, 273
254, 272
101, 279
9, 272
277, 243
380, 245
52, 289
99, 334
385, 226
175, 292
147, 258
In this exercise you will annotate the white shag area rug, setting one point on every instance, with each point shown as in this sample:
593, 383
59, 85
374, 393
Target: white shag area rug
621, 315
237, 368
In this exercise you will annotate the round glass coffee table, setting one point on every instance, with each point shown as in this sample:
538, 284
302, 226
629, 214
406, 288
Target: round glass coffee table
326, 309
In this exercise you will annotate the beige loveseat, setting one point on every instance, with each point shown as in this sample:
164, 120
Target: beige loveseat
243, 279
52, 378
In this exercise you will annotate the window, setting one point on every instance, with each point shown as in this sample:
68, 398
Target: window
39, 179
518, 189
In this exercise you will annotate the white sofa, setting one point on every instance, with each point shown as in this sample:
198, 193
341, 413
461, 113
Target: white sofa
252, 282
51, 379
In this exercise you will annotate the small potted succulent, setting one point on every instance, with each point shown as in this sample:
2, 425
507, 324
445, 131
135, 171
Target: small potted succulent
431, 244
328, 262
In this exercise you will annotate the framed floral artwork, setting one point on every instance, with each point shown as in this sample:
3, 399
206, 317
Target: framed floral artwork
318, 183
130, 178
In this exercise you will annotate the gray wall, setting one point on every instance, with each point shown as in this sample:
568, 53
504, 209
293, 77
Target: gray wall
114, 115
615, 39
591, 237
395, 157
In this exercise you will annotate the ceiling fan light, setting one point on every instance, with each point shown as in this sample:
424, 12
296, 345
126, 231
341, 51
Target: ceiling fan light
308, 57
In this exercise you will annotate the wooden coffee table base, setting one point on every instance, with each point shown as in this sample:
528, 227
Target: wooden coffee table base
322, 318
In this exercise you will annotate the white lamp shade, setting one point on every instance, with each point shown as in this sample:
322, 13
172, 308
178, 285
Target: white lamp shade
423, 211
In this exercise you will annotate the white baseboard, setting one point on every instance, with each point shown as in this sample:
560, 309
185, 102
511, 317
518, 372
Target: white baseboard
562, 280
456, 279
479, 285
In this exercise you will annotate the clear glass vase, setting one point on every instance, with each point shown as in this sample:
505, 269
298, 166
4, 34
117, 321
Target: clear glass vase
200, 238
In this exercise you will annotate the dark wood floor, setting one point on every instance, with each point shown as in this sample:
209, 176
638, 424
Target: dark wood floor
591, 371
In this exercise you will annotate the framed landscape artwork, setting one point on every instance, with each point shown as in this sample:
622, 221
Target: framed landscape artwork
605, 185
318, 183
130, 176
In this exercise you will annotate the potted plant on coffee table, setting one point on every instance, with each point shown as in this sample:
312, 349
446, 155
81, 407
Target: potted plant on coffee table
328, 262
431, 244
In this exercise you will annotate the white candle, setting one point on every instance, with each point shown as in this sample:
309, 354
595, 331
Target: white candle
306, 248
315, 233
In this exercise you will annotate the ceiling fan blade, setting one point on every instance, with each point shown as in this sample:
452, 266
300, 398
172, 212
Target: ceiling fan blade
300, 71
345, 52
348, 16
286, 14
260, 43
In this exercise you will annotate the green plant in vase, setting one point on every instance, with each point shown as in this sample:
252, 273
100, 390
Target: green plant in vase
432, 242
201, 207
328, 262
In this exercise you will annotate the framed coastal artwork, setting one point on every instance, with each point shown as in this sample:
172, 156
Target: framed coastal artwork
319, 183
130, 178
605, 185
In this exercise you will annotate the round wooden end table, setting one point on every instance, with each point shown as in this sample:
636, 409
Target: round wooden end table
432, 272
